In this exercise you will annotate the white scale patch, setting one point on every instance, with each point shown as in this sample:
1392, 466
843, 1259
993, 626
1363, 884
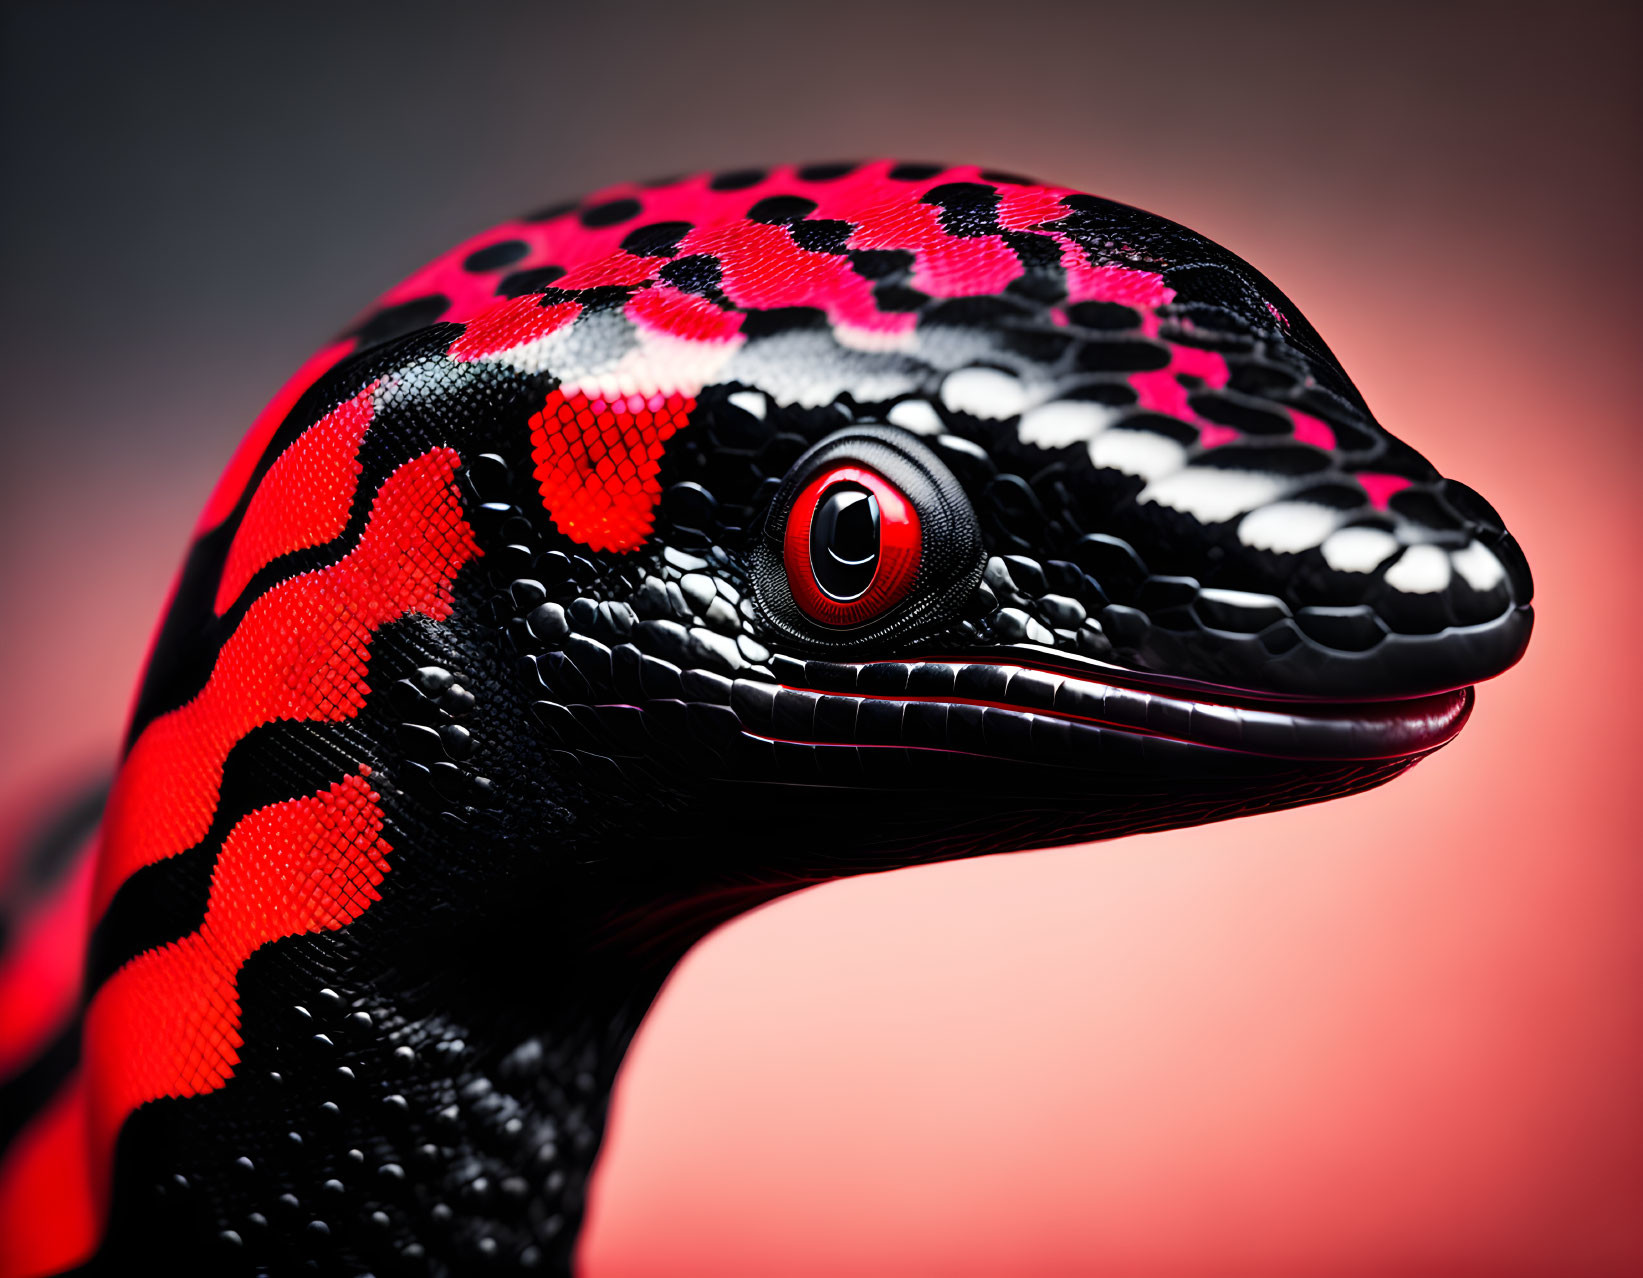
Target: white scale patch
983, 392
1420, 570
1066, 421
1359, 549
1212, 496
1288, 527
659, 363
1137, 452
605, 354
1478, 566
870, 339
916, 415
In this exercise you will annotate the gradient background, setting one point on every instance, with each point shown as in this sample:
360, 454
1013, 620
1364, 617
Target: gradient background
1401, 1034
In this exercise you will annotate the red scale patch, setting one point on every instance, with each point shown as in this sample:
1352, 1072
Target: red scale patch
511, 324
304, 499
597, 462
300, 653
167, 1023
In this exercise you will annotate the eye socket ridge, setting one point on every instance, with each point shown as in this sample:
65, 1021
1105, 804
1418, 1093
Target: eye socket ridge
852, 546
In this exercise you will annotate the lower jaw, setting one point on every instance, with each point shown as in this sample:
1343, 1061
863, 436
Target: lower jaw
827, 811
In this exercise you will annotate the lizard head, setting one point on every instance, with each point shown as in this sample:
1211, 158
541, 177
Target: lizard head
652, 556
921, 512
831, 518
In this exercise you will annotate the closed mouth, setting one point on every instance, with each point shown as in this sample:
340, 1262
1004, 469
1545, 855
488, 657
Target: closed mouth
1080, 713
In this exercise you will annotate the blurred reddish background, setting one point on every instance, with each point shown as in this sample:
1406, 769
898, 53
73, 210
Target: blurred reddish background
1401, 1034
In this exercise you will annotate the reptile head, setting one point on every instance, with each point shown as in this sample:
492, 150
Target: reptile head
650, 556
946, 511
953, 511
939, 484
950, 511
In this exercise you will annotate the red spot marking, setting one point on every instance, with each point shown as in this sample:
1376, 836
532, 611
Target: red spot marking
304, 498
621, 269
1027, 208
1381, 488
40, 975
1121, 284
1196, 362
597, 462
945, 265
1037, 208
1213, 435
762, 267
300, 653
669, 311
1310, 430
1160, 391
509, 324
48, 1222
167, 1023
231, 487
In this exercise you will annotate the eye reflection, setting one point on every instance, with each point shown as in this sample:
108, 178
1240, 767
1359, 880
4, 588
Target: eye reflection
844, 541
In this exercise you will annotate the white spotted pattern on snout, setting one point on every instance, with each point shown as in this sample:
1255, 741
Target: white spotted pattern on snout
1287, 527
1210, 495
1065, 421
1359, 549
1478, 567
983, 392
1137, 452
916, 415
1420, 570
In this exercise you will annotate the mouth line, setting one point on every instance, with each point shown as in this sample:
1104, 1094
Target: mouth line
997, 698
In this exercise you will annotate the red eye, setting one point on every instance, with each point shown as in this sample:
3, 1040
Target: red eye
852, 546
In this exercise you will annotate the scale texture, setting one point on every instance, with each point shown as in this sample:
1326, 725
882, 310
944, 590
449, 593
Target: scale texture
638, 561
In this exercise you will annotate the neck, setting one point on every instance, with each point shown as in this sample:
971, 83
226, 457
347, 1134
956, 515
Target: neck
499, 1107
426, 1091
502, 1119
436, 1111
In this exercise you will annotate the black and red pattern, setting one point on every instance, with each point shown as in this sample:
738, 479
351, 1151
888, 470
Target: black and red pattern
501, 651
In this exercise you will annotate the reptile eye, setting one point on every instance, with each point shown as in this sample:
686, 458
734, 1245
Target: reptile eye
852, 546
868, 537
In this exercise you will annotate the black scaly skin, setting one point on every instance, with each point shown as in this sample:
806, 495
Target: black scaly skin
593, 763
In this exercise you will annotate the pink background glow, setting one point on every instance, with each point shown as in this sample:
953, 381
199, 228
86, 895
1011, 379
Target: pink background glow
1400, 1034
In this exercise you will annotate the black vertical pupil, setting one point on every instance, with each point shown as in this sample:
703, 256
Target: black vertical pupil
844, 541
